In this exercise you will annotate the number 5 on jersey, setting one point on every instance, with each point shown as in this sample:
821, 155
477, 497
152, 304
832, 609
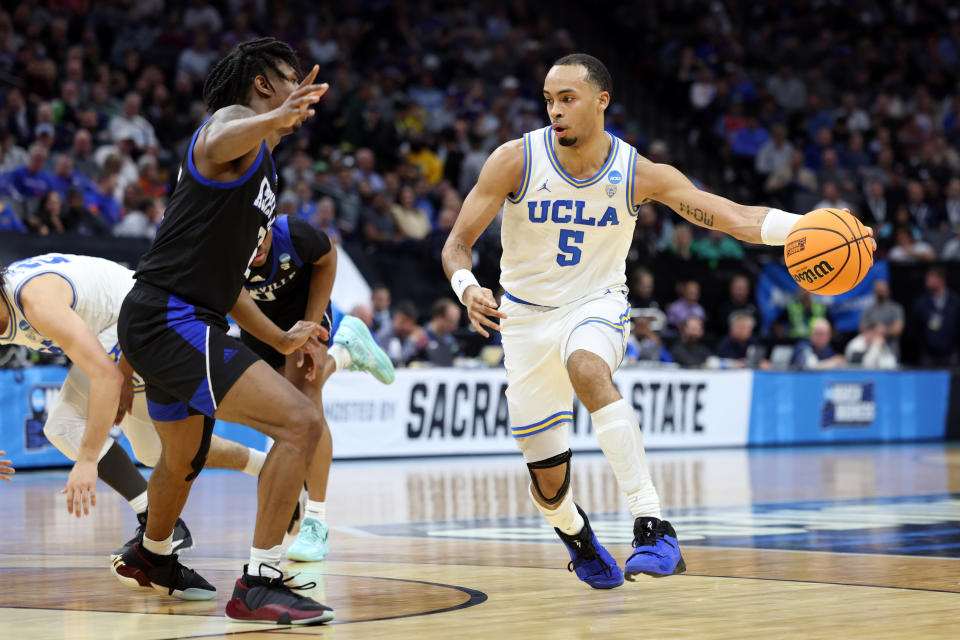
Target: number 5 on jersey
571, 253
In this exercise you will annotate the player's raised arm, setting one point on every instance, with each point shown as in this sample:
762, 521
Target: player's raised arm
46, 302
665, 184
501, 175
236, 130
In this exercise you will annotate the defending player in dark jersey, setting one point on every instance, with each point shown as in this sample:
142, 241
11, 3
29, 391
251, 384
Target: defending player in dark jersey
172, 329
290, 279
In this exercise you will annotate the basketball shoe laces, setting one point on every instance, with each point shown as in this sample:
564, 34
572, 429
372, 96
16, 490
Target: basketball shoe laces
279, 582
588, 553
179, 574
646, 535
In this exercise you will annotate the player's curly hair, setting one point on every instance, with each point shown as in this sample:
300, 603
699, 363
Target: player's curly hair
229, 81
596, 71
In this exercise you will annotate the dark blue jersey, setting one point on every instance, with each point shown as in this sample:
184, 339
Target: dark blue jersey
281, 285
210, 233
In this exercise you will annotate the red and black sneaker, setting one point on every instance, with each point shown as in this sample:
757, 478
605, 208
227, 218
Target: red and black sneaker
137, 567
270, 600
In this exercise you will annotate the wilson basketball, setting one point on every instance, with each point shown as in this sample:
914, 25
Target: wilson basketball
828, 252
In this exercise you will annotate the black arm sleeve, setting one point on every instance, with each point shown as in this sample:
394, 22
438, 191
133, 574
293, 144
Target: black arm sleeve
310, 244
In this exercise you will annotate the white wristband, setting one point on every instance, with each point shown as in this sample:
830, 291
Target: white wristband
776, 225
462, 278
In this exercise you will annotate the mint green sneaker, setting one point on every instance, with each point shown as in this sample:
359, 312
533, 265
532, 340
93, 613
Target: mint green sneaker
355, 337
311, 543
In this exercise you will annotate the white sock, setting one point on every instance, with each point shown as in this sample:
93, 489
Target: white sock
619, 435
316, 510
564, 517
340, 355
139, 504
160, 547
254, 462
269, 557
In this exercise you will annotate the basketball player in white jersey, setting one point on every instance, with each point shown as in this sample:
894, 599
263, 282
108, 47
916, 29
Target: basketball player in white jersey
69, 304
570, 194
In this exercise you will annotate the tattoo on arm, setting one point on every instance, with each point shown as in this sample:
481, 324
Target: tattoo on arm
696, 214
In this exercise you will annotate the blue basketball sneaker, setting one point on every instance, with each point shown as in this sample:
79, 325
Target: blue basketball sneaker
589, 560
365, 354
656, 550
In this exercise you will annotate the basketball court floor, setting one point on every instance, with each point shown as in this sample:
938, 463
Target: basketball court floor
843, 542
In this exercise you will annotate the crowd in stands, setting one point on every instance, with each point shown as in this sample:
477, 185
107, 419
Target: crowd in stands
98, 103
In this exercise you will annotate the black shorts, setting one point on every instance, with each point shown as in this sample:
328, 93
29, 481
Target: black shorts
181, 351
273, 357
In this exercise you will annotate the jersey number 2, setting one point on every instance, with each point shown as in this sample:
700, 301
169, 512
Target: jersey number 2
571, 253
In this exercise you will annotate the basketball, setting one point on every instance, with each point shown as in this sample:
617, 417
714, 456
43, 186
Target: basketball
828, 252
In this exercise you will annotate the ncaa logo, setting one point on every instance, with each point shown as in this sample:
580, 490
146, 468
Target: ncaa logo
284, 261
615, 177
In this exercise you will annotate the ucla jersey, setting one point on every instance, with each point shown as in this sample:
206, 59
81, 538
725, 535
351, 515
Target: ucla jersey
99, 287
565, 238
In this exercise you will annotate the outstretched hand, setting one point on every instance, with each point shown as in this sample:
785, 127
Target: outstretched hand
81, 488
481, 305
6, 468
296, 108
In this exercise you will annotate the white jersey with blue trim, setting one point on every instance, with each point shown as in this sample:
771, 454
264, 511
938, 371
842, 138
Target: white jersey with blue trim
564, 238
99, 287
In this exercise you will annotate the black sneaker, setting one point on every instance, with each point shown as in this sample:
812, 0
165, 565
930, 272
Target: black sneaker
138, 567
182, 540
271, 600
656, 551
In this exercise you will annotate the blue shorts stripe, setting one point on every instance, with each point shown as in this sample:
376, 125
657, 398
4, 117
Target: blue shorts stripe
202, 401
181, 317
167, 412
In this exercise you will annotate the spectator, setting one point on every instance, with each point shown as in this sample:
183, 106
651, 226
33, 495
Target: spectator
29, 183
47, 217
379, 225
792, 181
887, 313
797, 318
935, 321
870, 349
687, 306
787, 89
738, 302
739, 348
644, 342
325, 219
817, 352
366, 164
380, 301
775, 153
921, 211
200, 15
951, 207
403, 338
141, 222
717, 245
875, 208
130, 123
65, 178
641, 289
195, 62
149, 182
832, 198
442, 347
100, 201
13, 157
82, 154
45, 134
906, 249
412, 222
748, 141
689, 351
363, 312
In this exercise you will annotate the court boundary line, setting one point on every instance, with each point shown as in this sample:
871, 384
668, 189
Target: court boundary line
476, 597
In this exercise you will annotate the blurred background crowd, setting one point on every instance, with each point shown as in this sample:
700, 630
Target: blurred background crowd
799, 104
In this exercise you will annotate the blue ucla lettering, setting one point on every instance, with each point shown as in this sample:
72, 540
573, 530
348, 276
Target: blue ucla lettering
579, 219
609, 217
569, 211
544, 211
561, 204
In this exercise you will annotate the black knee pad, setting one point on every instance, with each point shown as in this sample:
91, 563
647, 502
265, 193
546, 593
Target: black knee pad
549, 463
201, 458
